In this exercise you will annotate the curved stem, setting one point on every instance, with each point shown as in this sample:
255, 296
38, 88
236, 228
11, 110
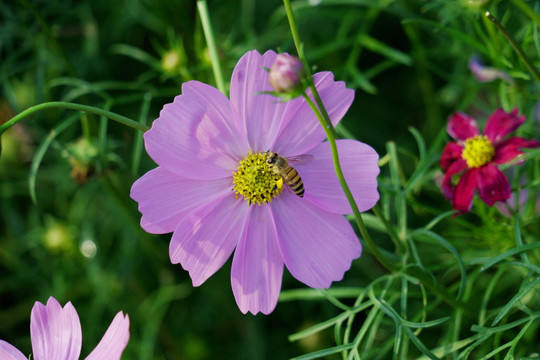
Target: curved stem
210, 41
348, 194
516, 46
324, 119
65, 105
302, 57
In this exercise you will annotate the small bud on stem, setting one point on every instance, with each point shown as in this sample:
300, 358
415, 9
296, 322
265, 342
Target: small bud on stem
286, 74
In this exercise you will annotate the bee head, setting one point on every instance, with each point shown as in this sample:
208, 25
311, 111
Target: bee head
271, 158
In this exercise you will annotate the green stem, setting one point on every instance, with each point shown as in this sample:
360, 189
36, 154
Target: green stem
324, 119
64, 105
401, 204
516, 46
302, 57
348, 194
210, 41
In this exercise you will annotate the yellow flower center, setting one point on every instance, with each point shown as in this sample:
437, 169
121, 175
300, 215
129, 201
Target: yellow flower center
478, 151
255, 180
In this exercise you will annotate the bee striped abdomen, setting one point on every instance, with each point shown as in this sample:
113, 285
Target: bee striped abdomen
294, 181
289, 175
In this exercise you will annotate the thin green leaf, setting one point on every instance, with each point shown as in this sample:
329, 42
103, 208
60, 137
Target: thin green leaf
315, 294
385, 50
40, 153
137, 54
138, 143
515, 341
322, 353
501, 328
519, 239
509, 253
447, 349
361, 81
407, 324
420, 142
318, 327
454, 252
438, 219
495, 351
515, 300
453, 32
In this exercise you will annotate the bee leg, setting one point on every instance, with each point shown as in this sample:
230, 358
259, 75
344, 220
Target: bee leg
278, 184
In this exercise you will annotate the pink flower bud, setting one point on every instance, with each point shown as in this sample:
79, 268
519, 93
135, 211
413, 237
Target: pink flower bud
286, 73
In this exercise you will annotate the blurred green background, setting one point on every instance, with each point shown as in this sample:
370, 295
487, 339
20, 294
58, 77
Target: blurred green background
81, 241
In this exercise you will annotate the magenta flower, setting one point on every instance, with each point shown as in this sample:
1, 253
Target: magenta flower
476, 157
56, 335
216, 191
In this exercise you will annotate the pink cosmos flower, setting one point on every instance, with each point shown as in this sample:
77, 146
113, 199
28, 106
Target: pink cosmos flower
214, 189
56, 335
476, 157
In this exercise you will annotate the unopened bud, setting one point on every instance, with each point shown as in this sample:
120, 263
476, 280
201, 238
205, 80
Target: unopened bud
286, 73
82, 156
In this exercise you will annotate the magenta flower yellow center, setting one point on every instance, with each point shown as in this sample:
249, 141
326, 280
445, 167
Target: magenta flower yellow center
255, 180
478, 151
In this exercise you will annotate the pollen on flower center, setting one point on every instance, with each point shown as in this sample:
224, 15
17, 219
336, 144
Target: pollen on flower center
478, 151
255, 180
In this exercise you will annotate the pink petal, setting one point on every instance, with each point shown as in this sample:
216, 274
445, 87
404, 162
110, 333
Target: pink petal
452, 152
261, 113
461, 126
359, 165
509, 149
228, 124
492, 185
257, 267
501, 123
196, 136
289, 127
300, 131
10, 352
205, 239
464, 191
165, 198
55, 331
447, 188
316, 246
114, 341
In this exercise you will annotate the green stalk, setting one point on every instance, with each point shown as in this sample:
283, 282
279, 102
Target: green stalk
210, 41
516, 47
302, 57
65, 105
343, 183
324, 119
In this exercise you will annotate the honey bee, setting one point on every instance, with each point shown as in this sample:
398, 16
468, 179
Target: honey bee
289, 175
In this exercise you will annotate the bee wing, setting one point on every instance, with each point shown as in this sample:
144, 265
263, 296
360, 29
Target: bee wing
301, 159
